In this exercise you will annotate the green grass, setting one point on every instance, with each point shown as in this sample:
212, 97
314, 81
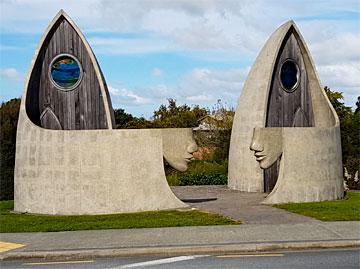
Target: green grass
11, 222
342, 210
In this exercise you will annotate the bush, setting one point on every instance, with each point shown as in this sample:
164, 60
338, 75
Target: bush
199, 173
203, 179
352, 173
9, 112
217, 141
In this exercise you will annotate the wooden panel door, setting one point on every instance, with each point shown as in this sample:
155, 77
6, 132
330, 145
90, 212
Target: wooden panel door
289, 103
51, 106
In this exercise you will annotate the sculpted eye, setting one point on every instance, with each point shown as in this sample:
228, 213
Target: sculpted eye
289, 75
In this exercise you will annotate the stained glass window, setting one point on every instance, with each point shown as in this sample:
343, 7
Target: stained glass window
65, 72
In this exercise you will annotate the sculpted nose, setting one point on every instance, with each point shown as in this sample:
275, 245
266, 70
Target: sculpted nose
192, 147
256, 144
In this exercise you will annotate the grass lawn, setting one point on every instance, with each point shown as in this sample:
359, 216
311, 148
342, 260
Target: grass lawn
11, 223
347, 209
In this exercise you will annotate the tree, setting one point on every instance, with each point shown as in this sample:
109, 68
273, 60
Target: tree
121, 118
350, 138
9, 113
174, 116
138, 123
357, 109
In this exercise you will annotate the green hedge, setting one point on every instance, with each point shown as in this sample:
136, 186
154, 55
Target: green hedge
203, 179
200, 173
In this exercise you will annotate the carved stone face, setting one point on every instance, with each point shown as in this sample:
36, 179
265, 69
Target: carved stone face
178, 146
267, 144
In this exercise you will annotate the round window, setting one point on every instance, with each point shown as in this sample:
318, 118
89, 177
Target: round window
65, 72
289, 75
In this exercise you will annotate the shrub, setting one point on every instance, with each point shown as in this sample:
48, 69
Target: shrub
352, 173
8, 122
200, 173
203, 179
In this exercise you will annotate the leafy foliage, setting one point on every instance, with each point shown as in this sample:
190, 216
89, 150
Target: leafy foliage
122, 118
203, 178
219, 125
125, 120
350, 137
174, 116
9, 113
170, 116
200, 173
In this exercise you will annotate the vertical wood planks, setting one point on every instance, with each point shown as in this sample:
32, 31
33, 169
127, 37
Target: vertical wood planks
287, 109
79, 108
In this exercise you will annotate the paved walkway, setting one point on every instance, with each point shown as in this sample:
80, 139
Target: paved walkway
182, 240
265, 229
237, 205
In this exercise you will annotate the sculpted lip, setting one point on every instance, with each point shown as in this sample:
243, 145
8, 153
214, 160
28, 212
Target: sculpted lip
259, 156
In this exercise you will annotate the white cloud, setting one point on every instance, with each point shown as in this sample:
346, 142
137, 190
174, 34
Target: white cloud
11, 74
127, 97
212, 30
205, 86
199, 86
157, 72
240, 26
217, 82
124, 46
343, 48
201, 98
341, 75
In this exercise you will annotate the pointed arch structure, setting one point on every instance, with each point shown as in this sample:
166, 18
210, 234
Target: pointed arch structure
85, 105
91, 168
310, 166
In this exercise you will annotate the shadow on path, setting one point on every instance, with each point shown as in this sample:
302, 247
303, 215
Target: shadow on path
237, 205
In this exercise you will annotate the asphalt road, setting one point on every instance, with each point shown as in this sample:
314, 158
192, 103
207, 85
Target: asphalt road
318, 259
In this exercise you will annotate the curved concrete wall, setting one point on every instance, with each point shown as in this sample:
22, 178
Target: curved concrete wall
310, 167
89, 171
244, 171
321, 176
74, 172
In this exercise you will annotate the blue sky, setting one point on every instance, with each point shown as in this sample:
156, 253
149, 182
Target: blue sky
194, 51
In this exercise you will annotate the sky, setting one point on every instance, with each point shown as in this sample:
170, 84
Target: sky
194, 51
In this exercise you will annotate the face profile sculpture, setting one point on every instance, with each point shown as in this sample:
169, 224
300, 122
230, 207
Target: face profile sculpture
267, 144
69, 159
178, 145
286, 137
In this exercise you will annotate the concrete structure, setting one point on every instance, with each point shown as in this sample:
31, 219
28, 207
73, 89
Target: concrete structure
73, 172
178, 146
307, 160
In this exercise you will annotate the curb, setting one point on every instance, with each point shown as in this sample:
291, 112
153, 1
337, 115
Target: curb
177, 250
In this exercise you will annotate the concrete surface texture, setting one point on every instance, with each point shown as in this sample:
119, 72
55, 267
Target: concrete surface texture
182, 240
90, 171
178, 146
311, 165
246, 207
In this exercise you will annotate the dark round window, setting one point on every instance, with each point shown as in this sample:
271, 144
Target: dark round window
289, 75
65, 72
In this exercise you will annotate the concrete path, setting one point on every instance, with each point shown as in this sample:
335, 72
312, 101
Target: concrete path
182, 240
264, 229
237, 205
